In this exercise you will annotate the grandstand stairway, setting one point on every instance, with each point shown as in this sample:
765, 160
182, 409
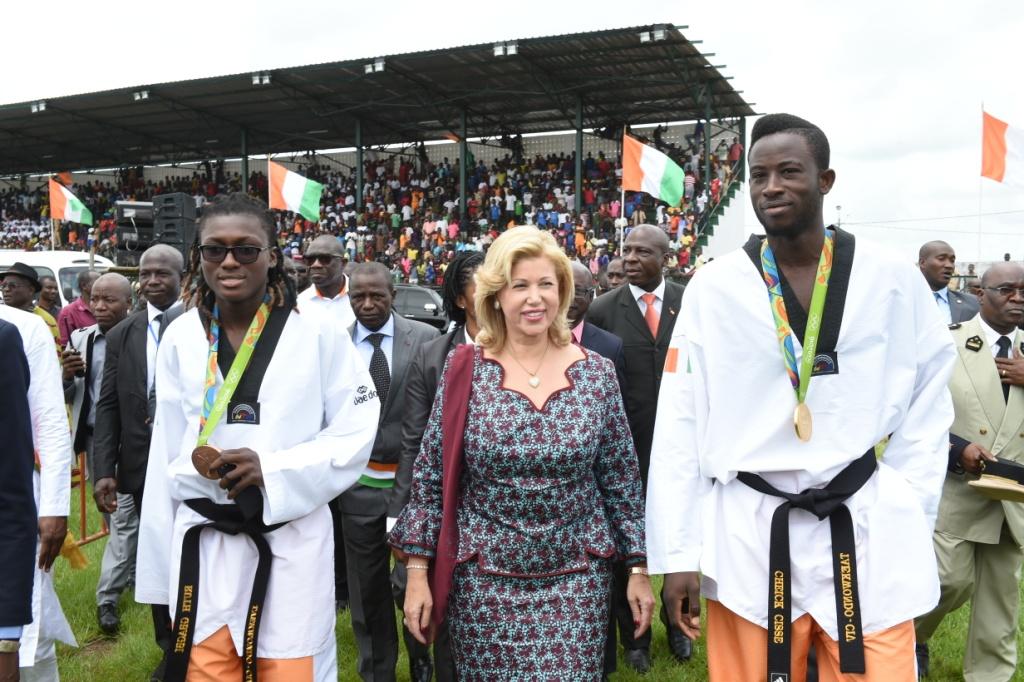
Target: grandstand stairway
706, 226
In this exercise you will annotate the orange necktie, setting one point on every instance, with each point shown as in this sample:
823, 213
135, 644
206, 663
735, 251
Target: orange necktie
651, 316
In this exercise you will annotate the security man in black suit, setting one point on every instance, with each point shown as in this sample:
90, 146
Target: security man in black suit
124, 412
937, 261
18, 518
642, 313
387, 342
424, 374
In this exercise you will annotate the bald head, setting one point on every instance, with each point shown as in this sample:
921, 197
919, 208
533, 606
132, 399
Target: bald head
165, 255
581, 275
655, 235
324, 245
111, 299
1001, 297
937, 261
644, 254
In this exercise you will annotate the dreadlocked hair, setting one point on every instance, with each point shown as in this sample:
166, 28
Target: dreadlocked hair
456, 278
196, 293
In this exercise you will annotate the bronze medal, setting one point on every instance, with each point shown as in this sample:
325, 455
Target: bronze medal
202, 457
802, 421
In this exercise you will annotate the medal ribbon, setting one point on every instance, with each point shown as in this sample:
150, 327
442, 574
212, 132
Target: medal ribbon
214, 401
802, 378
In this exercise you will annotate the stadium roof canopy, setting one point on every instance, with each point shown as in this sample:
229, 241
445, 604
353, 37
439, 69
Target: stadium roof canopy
636, 75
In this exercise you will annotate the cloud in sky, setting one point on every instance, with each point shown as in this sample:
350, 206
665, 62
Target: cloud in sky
897, 86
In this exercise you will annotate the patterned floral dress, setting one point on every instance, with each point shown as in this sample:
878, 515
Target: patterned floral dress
548, 498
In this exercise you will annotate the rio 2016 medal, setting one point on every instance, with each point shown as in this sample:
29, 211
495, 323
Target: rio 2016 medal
202, 457
801, 420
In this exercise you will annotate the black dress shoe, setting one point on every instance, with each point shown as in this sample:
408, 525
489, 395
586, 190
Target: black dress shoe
922, 660
340, 605
158, 672
680, 645
108, 619
420, 669
638, 659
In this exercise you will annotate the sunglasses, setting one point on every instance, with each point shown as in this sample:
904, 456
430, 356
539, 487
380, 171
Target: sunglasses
243, 255
322, 258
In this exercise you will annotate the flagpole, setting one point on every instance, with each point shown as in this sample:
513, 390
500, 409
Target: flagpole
621, 220
980, 179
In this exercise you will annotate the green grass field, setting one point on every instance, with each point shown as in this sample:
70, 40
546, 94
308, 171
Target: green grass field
133, 655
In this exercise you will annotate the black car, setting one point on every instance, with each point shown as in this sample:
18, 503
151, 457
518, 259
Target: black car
420, 304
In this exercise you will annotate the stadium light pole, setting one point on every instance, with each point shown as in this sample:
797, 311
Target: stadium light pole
579, 155
707, 144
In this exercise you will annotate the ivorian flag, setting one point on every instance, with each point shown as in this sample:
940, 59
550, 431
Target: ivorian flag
1002, 151
66, 206
645, 169
289, 191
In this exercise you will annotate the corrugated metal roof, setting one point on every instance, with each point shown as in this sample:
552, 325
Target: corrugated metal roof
618, 78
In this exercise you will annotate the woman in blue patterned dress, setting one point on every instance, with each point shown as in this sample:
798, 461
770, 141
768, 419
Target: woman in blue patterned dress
549, 492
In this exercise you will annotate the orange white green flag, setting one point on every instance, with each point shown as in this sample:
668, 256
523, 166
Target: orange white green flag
645, 169
290, 191
1002, 151
66, 206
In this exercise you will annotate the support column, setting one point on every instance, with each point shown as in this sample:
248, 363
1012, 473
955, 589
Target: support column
741, 172
359, 166
579, 155
463, 156
707, 143
245, 160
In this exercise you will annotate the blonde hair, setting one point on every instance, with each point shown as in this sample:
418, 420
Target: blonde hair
516, 244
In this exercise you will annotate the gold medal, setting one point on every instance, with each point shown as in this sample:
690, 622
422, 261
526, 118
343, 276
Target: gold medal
202, 457
801, 421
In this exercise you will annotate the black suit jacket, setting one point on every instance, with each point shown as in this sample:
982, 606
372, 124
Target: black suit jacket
607, 345
617, 312
123, 428
963, 306
420, 387
17, 504
387, 447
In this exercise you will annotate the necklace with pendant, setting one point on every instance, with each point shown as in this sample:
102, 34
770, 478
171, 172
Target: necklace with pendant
534, 380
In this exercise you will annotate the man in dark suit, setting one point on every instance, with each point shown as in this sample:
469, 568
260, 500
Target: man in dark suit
642, 314
587, 334
124, 412
937, 261
423, 376
387, 342
18, 519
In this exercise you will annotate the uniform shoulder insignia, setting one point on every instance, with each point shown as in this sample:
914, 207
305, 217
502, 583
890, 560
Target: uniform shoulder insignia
955, 325
974, 343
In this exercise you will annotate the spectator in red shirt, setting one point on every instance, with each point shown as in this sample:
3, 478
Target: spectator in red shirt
77, 315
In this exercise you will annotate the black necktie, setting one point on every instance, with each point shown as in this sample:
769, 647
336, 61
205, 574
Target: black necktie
379, 371
1004, 352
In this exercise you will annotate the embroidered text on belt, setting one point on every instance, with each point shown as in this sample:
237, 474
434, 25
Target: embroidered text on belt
231, 519
824, 503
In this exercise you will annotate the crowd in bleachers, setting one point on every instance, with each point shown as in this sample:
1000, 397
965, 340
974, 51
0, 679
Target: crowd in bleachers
411, 219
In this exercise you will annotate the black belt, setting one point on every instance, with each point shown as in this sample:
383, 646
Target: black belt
233, 519
824, 503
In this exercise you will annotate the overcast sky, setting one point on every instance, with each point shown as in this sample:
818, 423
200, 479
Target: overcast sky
897, 86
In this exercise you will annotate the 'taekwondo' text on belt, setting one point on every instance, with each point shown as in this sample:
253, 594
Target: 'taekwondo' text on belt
232, 519
824, 503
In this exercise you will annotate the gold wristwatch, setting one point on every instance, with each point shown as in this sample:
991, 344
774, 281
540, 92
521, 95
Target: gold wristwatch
638, 570
9, 646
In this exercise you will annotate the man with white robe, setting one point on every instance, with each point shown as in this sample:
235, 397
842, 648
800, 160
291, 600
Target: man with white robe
313, 426
726, 423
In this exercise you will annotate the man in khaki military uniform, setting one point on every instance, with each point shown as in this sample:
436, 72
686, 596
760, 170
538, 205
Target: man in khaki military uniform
978, 540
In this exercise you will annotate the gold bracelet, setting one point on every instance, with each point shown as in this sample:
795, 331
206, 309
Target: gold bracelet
417, 567
638, 570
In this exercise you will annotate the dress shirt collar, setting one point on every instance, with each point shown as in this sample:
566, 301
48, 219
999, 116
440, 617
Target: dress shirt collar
659, 291
577, 332
340, 294
466, 338
152, 311
387, 330
992, 336
943, 293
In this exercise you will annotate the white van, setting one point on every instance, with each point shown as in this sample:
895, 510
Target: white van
63, 266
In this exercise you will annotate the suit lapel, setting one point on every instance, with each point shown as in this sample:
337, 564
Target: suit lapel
632, 312
981, 369
1014, 413
669, 311
139, 333
401, 352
